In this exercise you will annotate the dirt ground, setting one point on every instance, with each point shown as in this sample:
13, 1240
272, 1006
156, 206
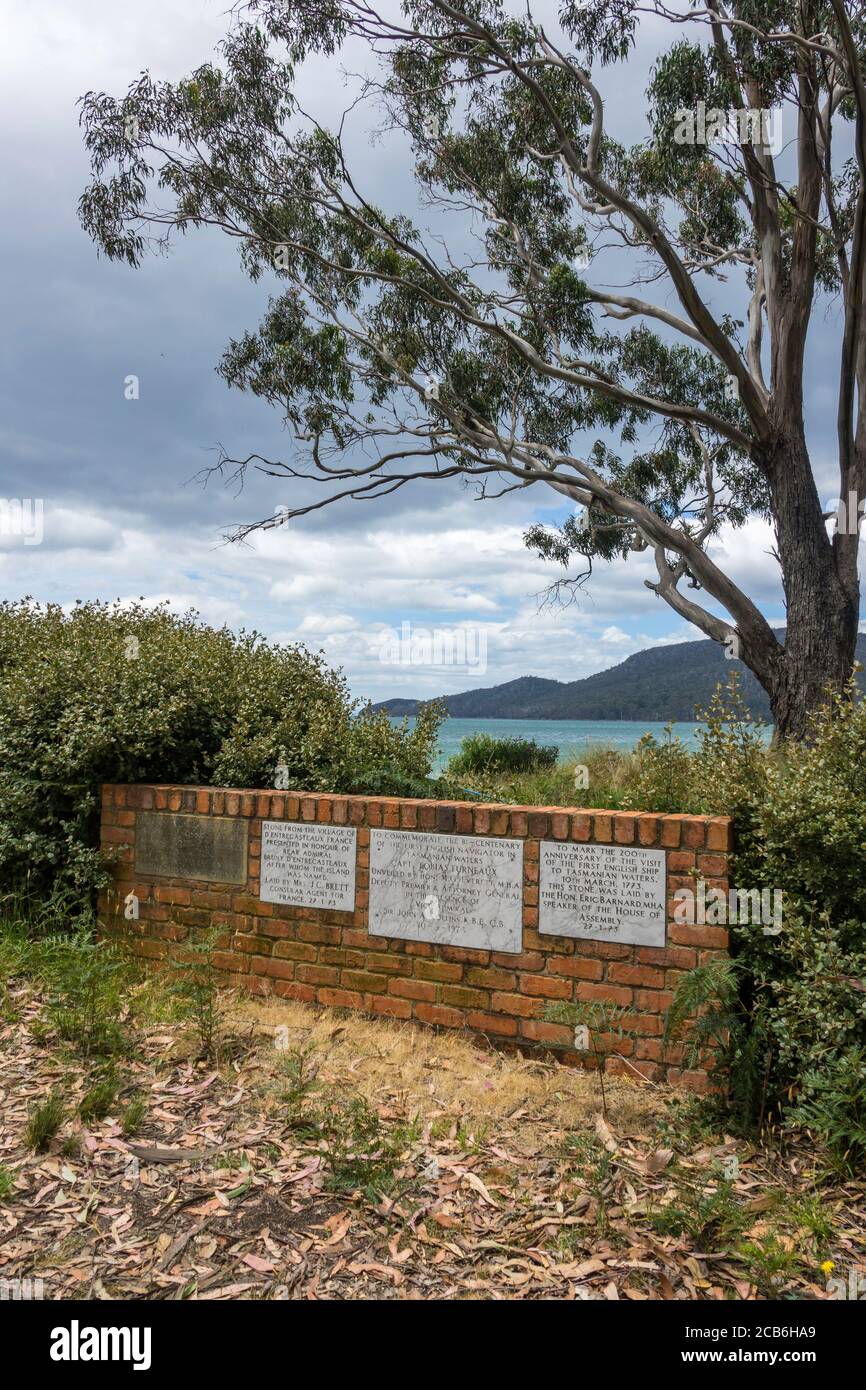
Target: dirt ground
332, 1157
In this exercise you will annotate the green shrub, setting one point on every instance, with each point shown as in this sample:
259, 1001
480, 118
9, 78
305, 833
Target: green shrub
833, 1105
101, 1096
788, 1018
86, 980
359, 1152
662, 774
482, 754
195, 984
195, 705
43, 1122
133, 1115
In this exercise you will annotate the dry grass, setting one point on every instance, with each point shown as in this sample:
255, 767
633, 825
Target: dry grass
429, 1072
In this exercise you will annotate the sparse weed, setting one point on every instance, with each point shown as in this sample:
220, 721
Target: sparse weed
133, 1115
100, 1098
44, 1121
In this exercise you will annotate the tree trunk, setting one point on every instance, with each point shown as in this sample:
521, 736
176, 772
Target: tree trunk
821, 592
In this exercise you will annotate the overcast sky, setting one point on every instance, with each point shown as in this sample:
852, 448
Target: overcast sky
124, 516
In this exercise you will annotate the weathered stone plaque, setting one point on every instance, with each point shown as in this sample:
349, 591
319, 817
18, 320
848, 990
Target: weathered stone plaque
179, 846
603, 892
456, 890
308, 865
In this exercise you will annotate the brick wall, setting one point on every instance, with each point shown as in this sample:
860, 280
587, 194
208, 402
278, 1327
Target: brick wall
329, 958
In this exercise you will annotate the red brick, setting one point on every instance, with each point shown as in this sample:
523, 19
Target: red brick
647, 829
492, 1023
671, 832
517, 1004
602, 827
623, 829
295, 950
277, 969
488, 977
720, 834
364, 980
310, 931
653, 1001
463, 998
439, 970
439, 1016
293, 989
413, 989
577, 967
684, 934
681, 956
680, 860
635, 975
694, 832
614, 994
318, 974
537, 1030
386, 1004
526, 960
340, 999
545, 987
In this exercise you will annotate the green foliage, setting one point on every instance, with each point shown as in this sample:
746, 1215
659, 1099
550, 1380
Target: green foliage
133, 1115
359, 1151
195, 984
298, 1070
100, 1098
86, 979
603, 1022
787, 1017
724, 1021
488, 756
7, 1183
595, 776
43, 1122
813, 819
195, 705
833, 1105
706, 1211
663, 773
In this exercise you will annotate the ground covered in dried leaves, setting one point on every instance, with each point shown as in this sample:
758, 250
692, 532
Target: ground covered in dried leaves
329, 1157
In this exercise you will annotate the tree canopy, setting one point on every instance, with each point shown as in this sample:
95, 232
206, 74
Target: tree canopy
483, 345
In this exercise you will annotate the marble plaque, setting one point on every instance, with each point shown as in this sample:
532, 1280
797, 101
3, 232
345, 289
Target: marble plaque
308, 865
456, 890
603, 892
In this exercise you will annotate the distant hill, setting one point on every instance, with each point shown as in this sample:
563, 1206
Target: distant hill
660, 683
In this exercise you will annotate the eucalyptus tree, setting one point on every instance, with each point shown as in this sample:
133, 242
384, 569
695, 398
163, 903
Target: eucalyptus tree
478, 335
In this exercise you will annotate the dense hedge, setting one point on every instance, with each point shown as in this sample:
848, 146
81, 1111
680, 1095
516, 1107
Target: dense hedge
791, 1014
488, 756
195, 704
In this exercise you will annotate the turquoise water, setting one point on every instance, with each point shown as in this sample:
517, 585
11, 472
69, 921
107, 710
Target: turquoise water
569, 735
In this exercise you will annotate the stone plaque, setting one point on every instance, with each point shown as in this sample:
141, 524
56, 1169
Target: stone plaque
456, 890
603, 892
308, 865
180, 846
